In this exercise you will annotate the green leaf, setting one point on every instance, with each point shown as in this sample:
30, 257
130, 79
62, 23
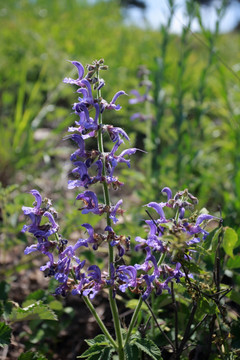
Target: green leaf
37, 311
56, 305
230, 239
131, 351
148, 346
207, 307
93, 350
106, 353
214, 241
5, 334
99, 340
234, 296
4, 289
233, 263
36, 295
29, 355
168, 225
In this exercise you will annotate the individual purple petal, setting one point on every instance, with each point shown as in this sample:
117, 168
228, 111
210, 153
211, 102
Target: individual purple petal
80, 74
114, 211
168, 191
119, 93
80, 69
37, 196
181, 213
72, 184
148, 279
158, 208
203, 217
30, 249
101, 84
115, 133
108, 228
112, 105
55, 226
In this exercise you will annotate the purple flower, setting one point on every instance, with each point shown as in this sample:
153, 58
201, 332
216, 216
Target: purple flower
127, 276
116, 132
114, 210
148, 279
80, 74
112, 105
77, 138
90, 200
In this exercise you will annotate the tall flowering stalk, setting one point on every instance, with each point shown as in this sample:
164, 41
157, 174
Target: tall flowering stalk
169, 239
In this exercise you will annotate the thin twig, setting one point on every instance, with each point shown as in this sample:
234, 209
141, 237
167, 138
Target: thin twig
157, 226
199, 324
159, 327
186, 335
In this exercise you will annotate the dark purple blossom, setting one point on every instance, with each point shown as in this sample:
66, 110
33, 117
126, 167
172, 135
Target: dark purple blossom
127, 277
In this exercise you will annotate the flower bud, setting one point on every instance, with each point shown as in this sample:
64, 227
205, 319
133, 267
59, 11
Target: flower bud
103, 67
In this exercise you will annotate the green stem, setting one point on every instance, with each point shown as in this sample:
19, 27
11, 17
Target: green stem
133, 320
112, 301
99, 321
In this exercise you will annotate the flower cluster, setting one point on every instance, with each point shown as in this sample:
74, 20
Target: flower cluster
94, 166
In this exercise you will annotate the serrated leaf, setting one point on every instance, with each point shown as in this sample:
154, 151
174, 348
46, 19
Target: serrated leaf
29, 355
99, 339
131, 352
93, 357
148, 346
56, 305
36, 295
37, 311
106, 353
93, 350
5, 334
230, 239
